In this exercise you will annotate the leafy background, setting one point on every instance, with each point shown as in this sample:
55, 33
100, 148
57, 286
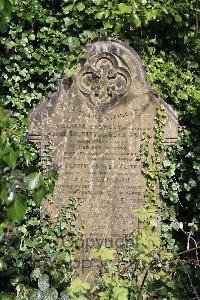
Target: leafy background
42, 40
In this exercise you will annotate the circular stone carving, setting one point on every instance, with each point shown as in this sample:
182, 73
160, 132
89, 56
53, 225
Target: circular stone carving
103, 81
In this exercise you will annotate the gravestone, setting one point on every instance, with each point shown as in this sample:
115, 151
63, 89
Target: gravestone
95, 126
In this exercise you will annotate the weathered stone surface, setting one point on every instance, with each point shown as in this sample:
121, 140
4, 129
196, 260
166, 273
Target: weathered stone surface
95, 127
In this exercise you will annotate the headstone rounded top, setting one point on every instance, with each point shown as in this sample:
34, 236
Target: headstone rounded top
111, 71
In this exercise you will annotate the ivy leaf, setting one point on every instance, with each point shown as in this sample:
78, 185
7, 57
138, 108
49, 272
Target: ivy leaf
6, 296
38, 195
28, 157
5, 13
4, 148
34, 181
182, 95
32, 37
50, 294
67, 9
5, 8
166, 163
197, 95
155, 240
63, 296
70, 72
120, 293
37, 294
36, 274
123, 8
99, 15
4, 121
80, 6
67, 21
137, 21
17, 209
178, 18
2, 4
1, 230
43, 283
78, 285
107, 25
104, 253
11, 158
3, 137
4, 193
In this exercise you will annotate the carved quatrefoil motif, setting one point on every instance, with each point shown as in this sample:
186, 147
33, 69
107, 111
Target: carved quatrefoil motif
103, 81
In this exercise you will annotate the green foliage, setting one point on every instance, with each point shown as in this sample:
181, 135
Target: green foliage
5, 14
148, 266
35, 249
17, 209
78, 289
104, 253
44, 291
19, 183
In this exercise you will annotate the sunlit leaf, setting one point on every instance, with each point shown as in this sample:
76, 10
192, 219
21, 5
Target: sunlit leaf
17, 209
80, 6
124, 8
38, 195
11, 158
34, 181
